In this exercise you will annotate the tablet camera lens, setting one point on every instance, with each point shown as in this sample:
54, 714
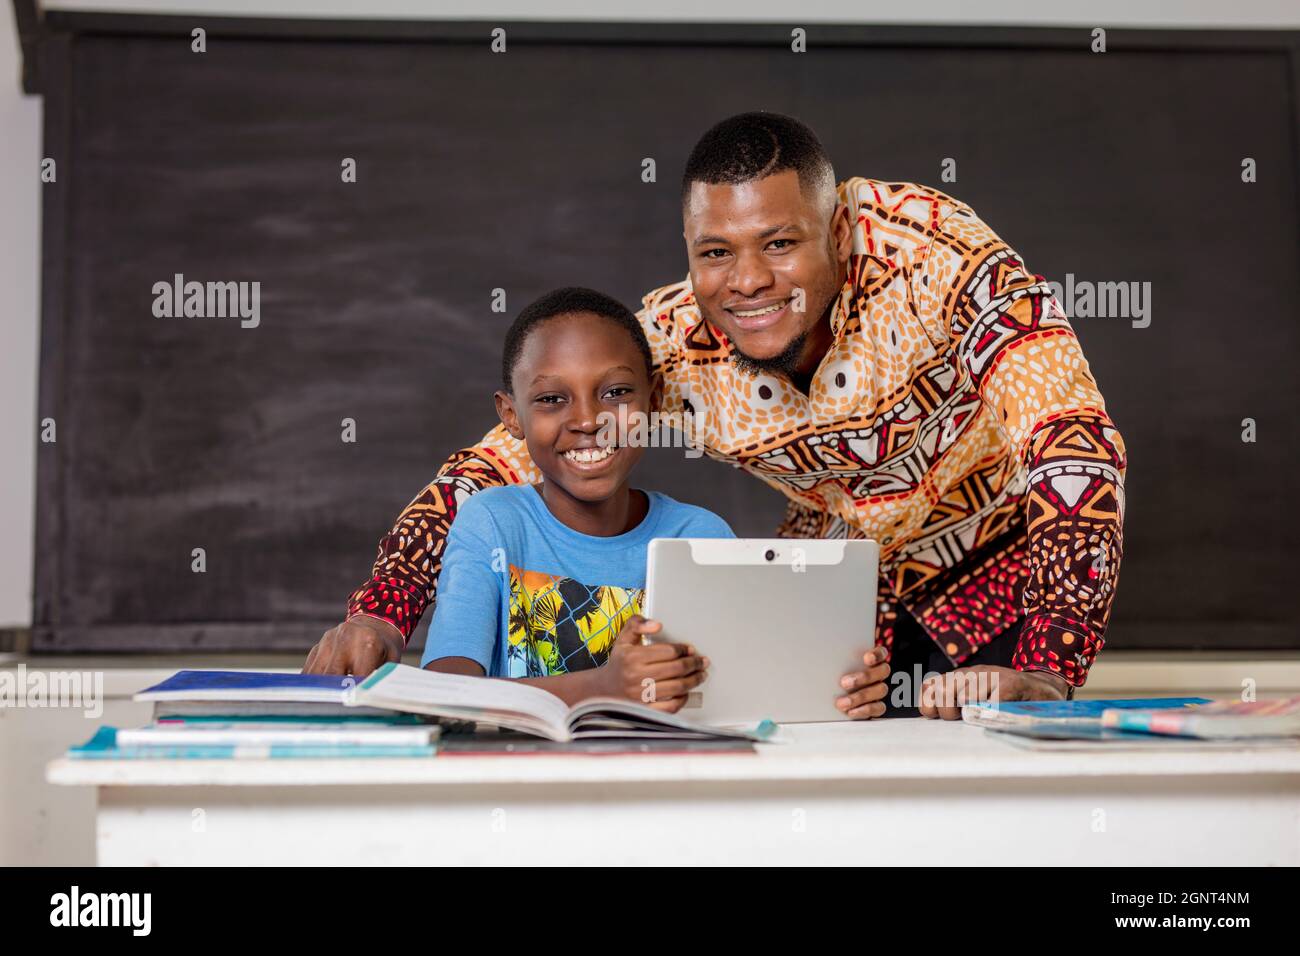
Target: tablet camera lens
771, 555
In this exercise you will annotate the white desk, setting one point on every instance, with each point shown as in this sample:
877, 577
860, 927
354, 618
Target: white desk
874, 793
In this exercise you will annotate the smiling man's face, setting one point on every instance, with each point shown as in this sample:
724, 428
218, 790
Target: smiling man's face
752, 248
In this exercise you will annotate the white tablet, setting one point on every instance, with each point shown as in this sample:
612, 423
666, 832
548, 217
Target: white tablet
781, 620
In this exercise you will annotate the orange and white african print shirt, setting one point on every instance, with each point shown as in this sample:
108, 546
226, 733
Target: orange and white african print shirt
954, 420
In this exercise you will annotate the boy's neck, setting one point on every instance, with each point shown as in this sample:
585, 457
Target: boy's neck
617, 514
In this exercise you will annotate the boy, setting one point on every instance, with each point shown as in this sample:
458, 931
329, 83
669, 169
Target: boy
543, 583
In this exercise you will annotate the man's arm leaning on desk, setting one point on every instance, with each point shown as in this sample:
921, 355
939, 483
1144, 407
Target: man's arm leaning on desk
385, 610
1023, 356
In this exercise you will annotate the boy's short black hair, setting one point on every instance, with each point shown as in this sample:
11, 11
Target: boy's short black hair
566, 301
752, 146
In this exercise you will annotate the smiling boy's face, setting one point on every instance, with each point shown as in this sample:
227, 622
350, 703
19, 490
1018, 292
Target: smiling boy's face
570, 370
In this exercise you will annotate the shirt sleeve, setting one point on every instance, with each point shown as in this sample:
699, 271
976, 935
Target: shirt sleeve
706, 524
467, 620
974, 292
404, 579
666, 328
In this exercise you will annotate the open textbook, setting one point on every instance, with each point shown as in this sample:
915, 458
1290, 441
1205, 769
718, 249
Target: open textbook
528, 709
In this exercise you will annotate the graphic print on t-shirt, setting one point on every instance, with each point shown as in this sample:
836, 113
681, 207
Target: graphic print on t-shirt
559, 625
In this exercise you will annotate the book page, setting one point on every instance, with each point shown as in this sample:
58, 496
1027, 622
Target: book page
488, 699
591, 717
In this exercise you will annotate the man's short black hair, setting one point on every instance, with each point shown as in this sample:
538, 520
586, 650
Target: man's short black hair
753, 146
567, 301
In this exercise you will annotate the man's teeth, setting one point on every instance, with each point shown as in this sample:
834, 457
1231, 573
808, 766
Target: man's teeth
754, 312
589, 455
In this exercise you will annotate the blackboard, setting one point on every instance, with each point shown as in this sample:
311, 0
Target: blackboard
521, 171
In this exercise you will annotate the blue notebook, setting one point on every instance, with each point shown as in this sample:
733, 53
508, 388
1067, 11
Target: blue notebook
363, 716
250, 686
1039, 712
103, 746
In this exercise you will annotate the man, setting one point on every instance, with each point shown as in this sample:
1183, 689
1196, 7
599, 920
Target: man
877, 354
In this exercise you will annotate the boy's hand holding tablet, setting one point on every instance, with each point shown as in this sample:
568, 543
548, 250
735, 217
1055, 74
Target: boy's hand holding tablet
659, 674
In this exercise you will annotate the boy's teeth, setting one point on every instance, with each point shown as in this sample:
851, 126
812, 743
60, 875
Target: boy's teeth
753, 312
588, 455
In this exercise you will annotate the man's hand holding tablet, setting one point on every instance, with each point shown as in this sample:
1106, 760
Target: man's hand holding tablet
865, 690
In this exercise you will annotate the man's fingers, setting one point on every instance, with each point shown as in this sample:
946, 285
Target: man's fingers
357, 647
868, 711
367, 658
874, 675
972, 687
943, 696
927, 698
343, 660
877, 670
338, 662
877, 655
321, 654
874, 692
311, 656
939, 697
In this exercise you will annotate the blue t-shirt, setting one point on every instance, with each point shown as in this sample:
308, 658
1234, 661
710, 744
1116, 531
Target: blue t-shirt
525, 595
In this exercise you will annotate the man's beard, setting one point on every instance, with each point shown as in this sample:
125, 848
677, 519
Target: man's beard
785, 362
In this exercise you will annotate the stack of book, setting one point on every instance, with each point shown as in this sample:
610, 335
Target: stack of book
250, 714
1218, 720
399, 711
1169, 723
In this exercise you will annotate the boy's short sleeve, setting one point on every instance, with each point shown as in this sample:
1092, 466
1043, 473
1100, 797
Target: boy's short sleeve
705, 524
467, 618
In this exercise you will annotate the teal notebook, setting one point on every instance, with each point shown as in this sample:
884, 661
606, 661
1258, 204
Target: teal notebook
103, 746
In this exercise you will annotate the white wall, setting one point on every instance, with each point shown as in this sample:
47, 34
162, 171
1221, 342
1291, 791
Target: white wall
20, 240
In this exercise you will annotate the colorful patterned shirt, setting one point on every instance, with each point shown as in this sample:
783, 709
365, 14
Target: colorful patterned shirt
513, 593
954, 420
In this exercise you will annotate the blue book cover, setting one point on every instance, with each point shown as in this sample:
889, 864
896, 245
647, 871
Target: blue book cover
1083, 729
103, 746
1038, 711
364, 718
250, 686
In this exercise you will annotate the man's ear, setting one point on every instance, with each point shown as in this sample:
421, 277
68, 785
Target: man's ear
842, 232
506, 412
